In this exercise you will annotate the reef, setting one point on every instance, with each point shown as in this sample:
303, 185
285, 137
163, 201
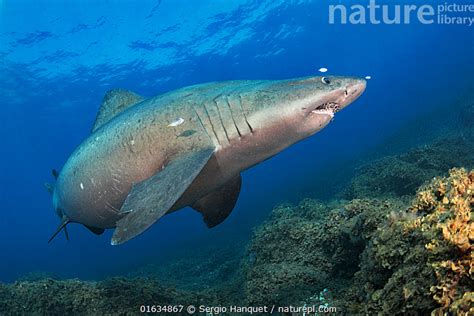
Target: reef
373, 256
445, 219
206, 267
403, 174
211, 269
306, 249
115, 296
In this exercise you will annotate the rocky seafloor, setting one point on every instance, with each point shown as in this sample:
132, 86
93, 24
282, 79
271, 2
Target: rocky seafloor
397, 240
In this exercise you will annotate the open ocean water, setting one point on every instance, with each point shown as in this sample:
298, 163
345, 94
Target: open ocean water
59, 58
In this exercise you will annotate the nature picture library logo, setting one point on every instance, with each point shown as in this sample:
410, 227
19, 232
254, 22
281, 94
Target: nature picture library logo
371, 12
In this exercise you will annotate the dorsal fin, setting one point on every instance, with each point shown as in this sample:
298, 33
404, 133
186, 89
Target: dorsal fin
49, 187
115, 101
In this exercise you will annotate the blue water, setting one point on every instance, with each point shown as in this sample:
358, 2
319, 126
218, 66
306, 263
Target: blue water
57, 60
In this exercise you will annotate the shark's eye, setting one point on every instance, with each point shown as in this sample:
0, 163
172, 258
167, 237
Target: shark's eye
325, 80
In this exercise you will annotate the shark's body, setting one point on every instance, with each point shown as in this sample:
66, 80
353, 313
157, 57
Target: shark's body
147, 158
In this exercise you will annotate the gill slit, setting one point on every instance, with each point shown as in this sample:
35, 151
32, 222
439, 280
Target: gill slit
199, 118
220, 118
232, 116
243, 113
212, 125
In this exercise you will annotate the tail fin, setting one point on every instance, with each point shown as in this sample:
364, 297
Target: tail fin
62, 226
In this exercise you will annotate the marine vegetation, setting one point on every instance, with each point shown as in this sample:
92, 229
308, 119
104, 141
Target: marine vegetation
116, 296
372, 255
434, 231
303, 250
446, 209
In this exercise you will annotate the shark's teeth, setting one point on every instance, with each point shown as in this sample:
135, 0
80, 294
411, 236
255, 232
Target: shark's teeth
329, 108
324, 112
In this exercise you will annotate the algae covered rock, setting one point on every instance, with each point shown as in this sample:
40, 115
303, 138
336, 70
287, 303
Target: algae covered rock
403, 174
5, 298
115, 296
374, 256
302, 250
393, 275
200, 268
51, 297
125, 295
422, 261
286, 249
447, 206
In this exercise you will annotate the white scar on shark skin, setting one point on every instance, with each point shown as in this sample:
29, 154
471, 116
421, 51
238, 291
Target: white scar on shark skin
176, 122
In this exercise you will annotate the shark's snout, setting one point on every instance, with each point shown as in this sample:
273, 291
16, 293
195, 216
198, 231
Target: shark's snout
322, 98
348, 92
353, 90
337, 98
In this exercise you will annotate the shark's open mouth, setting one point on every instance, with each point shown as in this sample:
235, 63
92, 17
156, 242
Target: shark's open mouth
329, 108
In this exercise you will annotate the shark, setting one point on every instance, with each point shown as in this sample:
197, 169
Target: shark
148, 157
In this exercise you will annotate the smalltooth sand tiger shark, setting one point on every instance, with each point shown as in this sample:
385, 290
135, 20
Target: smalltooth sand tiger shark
146, 158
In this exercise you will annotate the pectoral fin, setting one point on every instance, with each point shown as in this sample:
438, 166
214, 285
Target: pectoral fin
152, 198
217, 206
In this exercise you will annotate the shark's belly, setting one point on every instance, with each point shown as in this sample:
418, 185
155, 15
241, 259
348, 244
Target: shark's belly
228, 162
212, 177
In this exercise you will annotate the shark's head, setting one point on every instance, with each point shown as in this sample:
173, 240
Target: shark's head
301, 106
